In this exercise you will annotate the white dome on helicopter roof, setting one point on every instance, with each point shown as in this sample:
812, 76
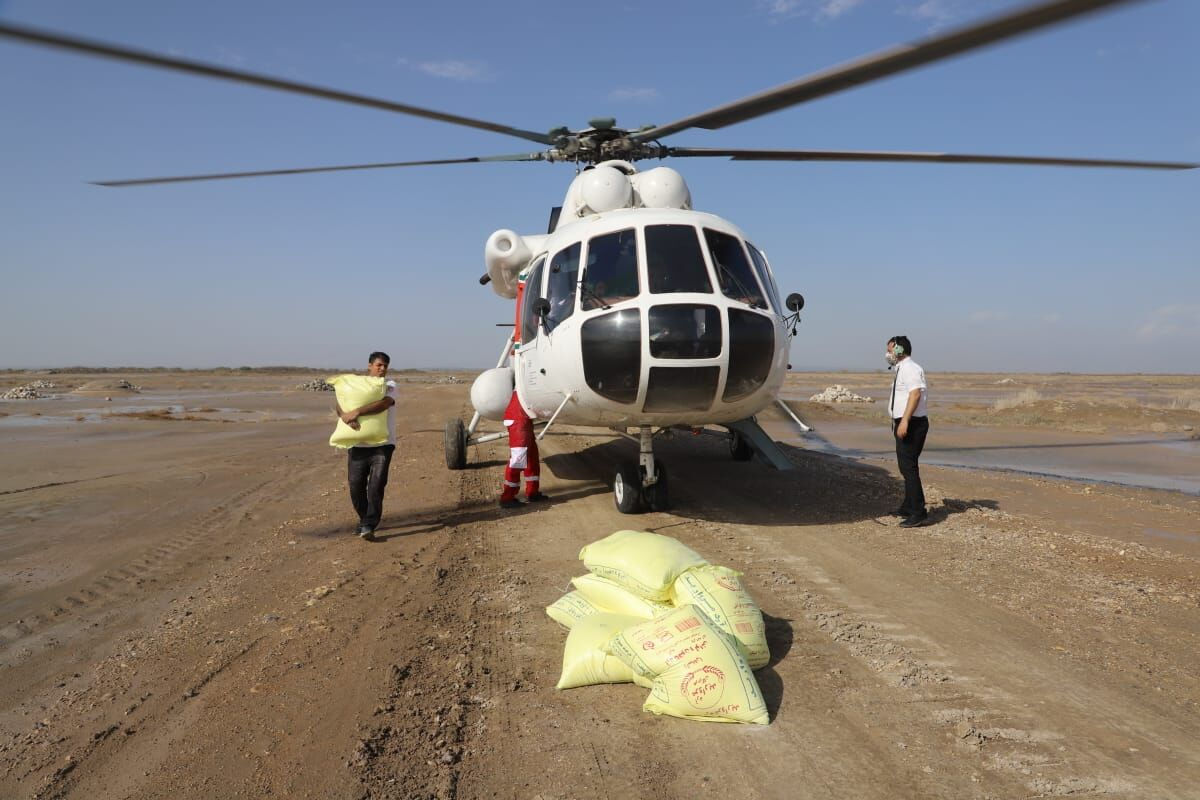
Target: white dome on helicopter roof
661, 187
604, 188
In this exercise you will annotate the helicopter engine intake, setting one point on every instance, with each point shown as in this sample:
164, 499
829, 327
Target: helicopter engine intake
661, 187
506, 253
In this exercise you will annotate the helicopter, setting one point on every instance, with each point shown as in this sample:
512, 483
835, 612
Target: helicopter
635, 311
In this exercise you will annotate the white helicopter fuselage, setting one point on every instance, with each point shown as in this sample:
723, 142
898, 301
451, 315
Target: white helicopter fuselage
649, 317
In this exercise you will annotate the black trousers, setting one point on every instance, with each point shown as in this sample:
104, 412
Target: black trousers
367, 470
908, 452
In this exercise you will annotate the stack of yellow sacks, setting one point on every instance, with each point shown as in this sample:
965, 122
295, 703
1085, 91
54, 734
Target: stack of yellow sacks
654, 612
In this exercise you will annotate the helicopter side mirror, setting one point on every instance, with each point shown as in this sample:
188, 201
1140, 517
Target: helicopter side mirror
541, 307
795, 301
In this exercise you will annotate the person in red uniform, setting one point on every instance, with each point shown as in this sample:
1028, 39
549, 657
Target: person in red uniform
523, 457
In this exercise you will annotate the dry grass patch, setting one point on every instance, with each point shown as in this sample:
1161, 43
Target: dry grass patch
1024, 397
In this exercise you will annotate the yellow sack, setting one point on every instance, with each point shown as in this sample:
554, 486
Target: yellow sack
613, 598
721, 595
586, 662
570, 609
698, 671
356, 391
644, 563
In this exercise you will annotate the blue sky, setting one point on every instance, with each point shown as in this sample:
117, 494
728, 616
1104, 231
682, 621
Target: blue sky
985, 268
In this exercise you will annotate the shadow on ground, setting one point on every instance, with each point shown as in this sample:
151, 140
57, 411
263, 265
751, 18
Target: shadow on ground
395, 526
779, 640
706, 484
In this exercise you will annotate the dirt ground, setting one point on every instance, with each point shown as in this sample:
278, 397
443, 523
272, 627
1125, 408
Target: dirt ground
184, 612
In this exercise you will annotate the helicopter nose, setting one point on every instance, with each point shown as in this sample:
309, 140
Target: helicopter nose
679, 333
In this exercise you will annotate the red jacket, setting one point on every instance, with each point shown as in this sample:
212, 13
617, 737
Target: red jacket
518, 423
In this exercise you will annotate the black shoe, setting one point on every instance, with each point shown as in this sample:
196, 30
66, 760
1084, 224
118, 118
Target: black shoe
366, 533
537, 498
510, 504
903, 513
916, 520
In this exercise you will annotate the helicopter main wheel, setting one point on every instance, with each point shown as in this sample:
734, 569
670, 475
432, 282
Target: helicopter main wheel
454, 441
656, 496
627, 488
739, 448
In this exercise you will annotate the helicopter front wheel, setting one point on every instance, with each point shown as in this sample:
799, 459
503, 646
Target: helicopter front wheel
655, 495
454, 441
627, 488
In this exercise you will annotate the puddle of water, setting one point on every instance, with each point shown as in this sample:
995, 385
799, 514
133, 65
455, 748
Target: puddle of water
1144, 461
1156, 533
28, 421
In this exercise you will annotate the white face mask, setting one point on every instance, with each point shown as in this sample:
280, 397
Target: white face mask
891, 359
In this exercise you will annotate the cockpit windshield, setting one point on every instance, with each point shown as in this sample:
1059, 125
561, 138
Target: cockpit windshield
765, 276
674, 260
560, 288
611, 274
533, 290
734, 273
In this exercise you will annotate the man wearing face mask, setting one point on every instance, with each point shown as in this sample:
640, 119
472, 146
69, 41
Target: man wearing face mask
910, 425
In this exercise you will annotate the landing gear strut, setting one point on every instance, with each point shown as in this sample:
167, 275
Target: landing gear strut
642, 485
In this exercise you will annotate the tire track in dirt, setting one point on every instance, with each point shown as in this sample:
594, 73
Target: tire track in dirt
991, 728
123, 580
438, 706
580, 753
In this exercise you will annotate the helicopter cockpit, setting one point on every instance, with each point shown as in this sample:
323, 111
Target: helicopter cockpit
709, 302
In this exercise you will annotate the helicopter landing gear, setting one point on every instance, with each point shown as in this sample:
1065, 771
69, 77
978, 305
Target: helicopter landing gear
655, 496
739, 448
627, 488
454, 441
641, 486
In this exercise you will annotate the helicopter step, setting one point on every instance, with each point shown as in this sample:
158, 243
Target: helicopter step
747, 439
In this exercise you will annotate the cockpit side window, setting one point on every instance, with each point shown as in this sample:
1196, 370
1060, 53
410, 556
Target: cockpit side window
674, 261
560, 289
533, 290
765, 276
611, 274
734, 273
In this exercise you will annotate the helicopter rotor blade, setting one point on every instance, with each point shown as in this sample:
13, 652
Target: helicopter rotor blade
306, 170
936, 158
146, 58
883, 64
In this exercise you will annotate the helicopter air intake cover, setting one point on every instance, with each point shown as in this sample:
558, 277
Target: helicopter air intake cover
506, 254
662, 187
491, 392
604, 189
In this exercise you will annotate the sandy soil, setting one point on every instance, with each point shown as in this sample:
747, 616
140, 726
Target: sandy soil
185, 613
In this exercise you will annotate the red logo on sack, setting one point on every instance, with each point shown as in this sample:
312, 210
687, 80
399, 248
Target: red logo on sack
704, 687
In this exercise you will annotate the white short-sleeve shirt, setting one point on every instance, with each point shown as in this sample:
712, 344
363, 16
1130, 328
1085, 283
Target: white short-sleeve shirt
909, 376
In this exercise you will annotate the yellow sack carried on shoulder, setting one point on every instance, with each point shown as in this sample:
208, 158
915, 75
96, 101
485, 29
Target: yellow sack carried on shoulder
356, 391
698, 671
644, 563
571, 608
586, 660
721, 595
613, 598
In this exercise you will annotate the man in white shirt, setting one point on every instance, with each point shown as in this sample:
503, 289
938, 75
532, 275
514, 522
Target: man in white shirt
367, 467
910, 425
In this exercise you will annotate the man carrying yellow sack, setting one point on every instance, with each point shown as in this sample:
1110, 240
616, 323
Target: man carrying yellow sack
368, 462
